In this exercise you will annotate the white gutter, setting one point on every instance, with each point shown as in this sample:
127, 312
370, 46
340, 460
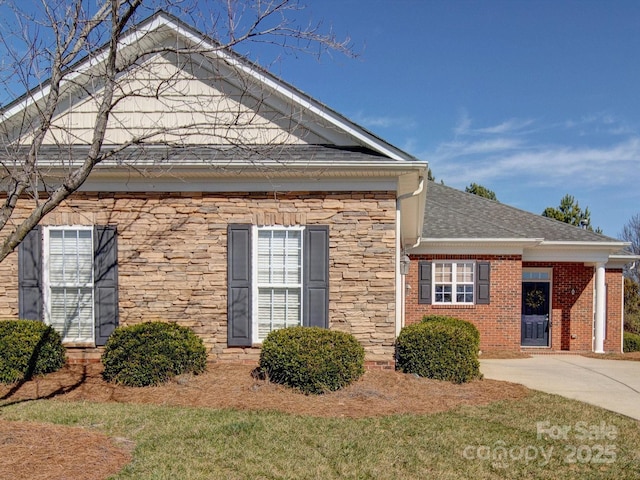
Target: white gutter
400, 281
578, 244
405, 196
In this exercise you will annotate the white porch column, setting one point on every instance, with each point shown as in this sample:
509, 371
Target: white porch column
600, 309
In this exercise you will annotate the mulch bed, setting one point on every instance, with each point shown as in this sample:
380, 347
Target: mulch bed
42, 451
32, 451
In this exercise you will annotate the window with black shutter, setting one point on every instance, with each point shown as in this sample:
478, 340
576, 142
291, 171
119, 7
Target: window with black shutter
278, 277
454, 282
68, 278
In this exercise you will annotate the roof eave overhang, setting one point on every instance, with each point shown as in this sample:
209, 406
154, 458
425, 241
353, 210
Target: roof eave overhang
589, 252
531, 249
257, 177
622, 260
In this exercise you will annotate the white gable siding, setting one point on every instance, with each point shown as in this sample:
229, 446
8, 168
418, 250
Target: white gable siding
164, 100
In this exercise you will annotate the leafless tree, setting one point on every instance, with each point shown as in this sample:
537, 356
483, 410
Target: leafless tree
631, 233
55, 51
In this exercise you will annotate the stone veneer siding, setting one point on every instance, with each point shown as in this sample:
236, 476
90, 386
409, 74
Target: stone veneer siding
172, 259
499, 322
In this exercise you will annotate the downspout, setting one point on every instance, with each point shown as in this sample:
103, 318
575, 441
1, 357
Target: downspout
400, 280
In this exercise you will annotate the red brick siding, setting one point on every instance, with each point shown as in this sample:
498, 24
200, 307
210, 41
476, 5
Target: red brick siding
615, 293
498, 322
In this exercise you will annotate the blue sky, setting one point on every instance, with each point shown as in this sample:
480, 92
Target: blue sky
532, 99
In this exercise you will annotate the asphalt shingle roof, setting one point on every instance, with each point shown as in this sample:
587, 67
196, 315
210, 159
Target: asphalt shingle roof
220, 155
451, 213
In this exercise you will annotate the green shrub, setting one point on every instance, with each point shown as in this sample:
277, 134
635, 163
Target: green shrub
152, 353
441, 350
470, 327
312, 359
631, 342
28, 348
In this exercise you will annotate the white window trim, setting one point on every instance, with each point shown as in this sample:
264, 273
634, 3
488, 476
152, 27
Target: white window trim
254, 273
454, 263
46, 293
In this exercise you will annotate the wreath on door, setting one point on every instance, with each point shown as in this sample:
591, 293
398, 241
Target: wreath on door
534, 299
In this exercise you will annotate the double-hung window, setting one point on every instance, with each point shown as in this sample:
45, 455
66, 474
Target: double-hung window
68, 277
68, 274
277, 279
453, 282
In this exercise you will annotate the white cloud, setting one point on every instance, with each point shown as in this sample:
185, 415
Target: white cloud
458, 149
593, 167
510, 126
382, 121
464, 124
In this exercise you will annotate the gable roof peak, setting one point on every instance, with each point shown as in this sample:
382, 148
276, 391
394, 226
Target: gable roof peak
150, 33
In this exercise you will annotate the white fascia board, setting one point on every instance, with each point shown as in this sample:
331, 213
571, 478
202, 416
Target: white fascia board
587, 256
480, 246
225, 185
263, 168
614, 246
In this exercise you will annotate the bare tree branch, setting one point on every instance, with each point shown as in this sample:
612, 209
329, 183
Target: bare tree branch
53, 53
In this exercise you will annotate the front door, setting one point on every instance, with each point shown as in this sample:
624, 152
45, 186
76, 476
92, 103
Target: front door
535, 314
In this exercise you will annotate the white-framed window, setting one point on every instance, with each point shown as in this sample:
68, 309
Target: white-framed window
278, 277
68, 282
453, 282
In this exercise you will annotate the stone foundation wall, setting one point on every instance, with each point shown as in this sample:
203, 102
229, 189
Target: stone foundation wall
172, 260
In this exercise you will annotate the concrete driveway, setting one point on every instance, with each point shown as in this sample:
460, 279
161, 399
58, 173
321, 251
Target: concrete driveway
610, 384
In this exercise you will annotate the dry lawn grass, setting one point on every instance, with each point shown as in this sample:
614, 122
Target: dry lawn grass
56, 452
632, 356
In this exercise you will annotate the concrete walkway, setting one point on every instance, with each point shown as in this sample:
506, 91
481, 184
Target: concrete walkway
610, 384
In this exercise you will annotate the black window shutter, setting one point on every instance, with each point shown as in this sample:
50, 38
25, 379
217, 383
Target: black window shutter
316, 276
105, 271
30, 305
239, 285
424, 282
483, 276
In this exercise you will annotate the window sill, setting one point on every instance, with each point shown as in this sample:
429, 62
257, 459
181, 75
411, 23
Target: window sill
78, 344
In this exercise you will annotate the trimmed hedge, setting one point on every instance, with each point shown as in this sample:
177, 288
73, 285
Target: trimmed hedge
311, 359
152, 353
631, 342
441, 349
28, 348
470, 327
